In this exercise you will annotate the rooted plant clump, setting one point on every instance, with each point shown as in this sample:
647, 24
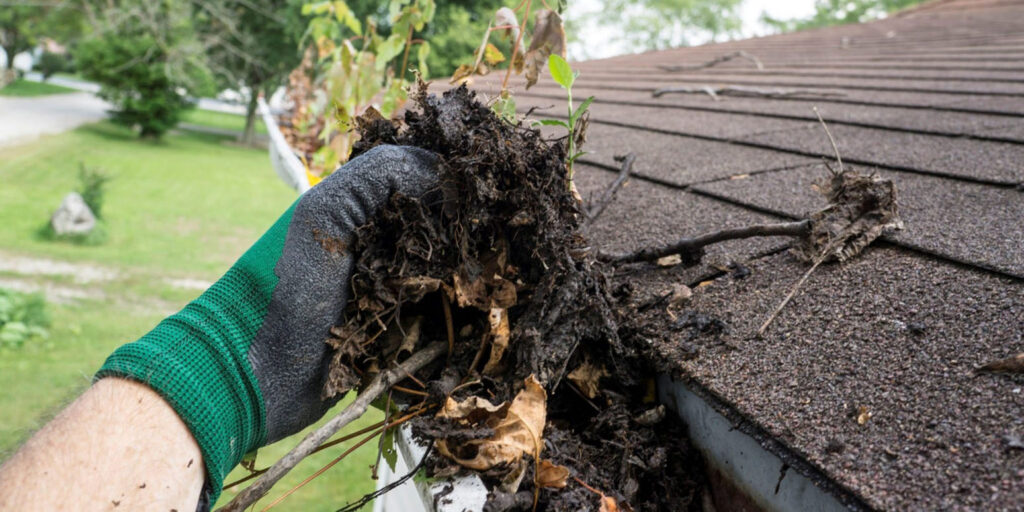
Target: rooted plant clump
542, 393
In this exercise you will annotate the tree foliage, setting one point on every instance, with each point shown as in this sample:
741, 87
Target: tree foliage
147, 59
660, 24
839, 12
250, 45
23, 23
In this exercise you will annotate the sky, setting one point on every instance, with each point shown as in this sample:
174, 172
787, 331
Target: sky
601, 40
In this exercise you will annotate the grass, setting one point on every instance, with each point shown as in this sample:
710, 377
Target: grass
220, 120
26, 88
185, 207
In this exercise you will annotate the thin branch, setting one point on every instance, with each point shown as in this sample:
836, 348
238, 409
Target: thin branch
791, 294
691, 249
715, 61
747, 92
835, 148
609, 194
377, 386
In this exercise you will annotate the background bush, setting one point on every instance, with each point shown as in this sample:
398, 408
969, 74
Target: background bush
22, 317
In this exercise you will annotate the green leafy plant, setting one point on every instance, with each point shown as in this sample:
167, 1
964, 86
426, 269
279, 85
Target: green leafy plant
22, 318
93, 183
565, 76
356, 70
51, 63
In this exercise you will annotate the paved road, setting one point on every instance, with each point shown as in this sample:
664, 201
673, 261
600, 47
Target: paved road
23, 119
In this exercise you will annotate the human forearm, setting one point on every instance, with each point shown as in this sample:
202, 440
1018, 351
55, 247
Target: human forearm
118, 445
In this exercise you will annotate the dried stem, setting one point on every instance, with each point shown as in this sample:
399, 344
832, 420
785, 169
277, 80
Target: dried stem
738, 90
609, 193
691, 249
790, 295
377, 386
716, 61
515, 49
835, 148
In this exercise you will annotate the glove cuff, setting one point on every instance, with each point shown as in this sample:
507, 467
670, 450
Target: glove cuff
197, 359
205, 377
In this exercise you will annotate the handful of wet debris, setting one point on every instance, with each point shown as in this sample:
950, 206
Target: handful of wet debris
539, 391
547, 390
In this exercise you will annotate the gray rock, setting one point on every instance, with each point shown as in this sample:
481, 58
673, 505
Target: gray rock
73, 217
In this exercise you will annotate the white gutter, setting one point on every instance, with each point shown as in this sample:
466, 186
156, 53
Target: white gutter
287, 165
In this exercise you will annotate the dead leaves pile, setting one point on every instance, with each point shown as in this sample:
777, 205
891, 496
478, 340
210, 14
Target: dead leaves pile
518, 431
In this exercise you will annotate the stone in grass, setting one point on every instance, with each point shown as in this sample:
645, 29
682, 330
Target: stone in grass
73, 217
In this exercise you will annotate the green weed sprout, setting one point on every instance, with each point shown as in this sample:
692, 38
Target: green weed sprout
564, 75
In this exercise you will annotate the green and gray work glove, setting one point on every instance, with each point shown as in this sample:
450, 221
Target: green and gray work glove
243, 365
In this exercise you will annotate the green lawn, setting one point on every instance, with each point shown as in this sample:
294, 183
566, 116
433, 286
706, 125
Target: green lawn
26, 88
220, 120
184, 208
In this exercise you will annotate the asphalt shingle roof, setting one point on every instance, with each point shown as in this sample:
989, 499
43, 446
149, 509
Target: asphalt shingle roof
932, 98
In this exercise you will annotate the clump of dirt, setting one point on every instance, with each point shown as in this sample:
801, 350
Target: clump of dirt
547, 392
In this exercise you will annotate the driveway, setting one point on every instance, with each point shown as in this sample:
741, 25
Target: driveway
22, 119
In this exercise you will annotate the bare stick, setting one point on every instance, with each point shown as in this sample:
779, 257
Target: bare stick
609, 193
692, 248
741, 91
377, 386
835, 148
716, 61
790, 295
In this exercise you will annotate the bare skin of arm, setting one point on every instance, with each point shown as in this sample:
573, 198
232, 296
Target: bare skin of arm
119, 446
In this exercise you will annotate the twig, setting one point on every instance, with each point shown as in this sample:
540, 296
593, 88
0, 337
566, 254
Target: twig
714, 62
791, 294
609, 193
835, 148
449, 327
519, 42
741, 91
377, 386
691, 249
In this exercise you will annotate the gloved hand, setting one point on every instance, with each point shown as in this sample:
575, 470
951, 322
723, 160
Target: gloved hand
243, 364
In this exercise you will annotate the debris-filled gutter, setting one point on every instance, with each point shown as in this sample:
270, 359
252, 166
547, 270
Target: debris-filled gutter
288, 166
465, 493
747, 470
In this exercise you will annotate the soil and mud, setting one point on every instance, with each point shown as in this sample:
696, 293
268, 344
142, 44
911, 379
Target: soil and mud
494, 262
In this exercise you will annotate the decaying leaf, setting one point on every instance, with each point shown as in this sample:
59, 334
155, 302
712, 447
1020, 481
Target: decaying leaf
461, 73
551, 475
548, 38
587, 377
861, 208
506, 17
1012, 364
517, 428
492, 55
499, 335
608, 504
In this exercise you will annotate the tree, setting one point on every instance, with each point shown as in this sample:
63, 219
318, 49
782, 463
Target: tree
660, 24
23, 22
147, 60
250, 44
839, 12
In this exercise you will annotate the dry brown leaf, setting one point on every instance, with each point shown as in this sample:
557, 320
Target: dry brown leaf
498, 319
608, 504
551, 475
548, 37
507, 17
461, 73
863, 415
587, 376
517, 428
